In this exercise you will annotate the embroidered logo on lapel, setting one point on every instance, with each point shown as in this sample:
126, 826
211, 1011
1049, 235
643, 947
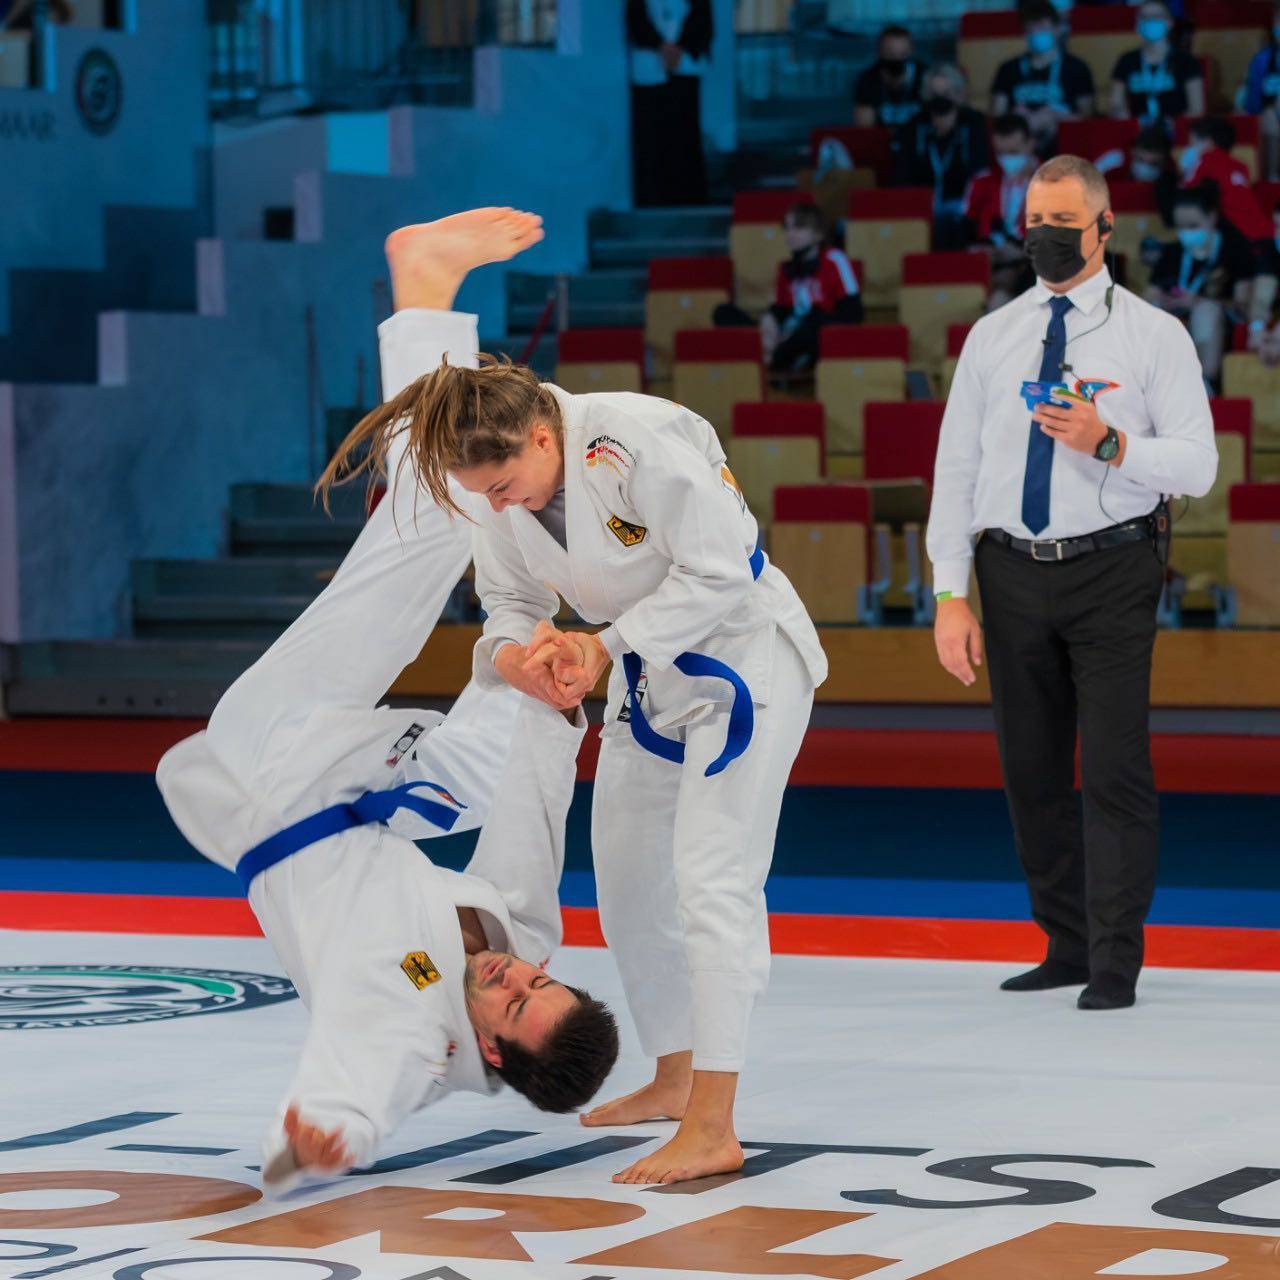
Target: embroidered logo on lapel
627, 534
419, 970
730, 483
605, 451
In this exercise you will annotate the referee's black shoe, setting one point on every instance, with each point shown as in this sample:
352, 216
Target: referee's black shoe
1044, 977
1107, 991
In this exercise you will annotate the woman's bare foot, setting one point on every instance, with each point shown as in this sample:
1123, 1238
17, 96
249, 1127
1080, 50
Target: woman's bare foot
696, 1151
430, 260
664, 1098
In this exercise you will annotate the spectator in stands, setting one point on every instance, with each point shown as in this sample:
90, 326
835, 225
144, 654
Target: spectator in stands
1204, 277
1157, 81
944, 148
1149, 159
670, 44
1260, 96
888, 92
994, 208
1046, 84
1264, 331
1207, 158
815, 286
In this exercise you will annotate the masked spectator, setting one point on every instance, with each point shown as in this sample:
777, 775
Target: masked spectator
888, 92
1204, 277
815, 286
1207, 158
944, 148
994, 208
1046, 84
1156, 81
1260, 96
1149, 159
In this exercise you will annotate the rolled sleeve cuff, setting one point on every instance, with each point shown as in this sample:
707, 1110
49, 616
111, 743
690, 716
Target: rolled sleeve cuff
952, 576
615, 646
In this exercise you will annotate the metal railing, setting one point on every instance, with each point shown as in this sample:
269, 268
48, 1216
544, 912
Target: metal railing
274, 56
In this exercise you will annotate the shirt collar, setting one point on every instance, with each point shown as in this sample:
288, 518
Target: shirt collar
1084, 297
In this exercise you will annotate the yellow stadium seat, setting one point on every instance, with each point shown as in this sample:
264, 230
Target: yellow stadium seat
883, 227
714, 370
1266, 465
819, 540
845, 466
856, 365
1253, 553
986, 40
757, 244
940, 290
775, 444
1233, 422
600, 360
1243, 374
683, 294
1229, 50
1201, 559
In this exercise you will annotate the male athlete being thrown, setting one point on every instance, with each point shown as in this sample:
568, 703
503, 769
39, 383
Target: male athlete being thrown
419, 980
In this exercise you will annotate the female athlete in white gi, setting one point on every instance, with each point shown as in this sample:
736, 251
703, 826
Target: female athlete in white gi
419, 980
623, 505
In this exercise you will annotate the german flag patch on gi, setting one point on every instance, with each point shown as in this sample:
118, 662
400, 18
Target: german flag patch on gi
419, 970
627, 534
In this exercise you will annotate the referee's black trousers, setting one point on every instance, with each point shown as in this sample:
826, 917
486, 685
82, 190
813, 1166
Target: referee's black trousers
1069, 647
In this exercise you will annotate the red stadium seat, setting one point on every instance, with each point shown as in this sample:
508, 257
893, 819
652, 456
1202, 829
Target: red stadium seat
797, 419
956, 334
1253, 553
902, 439
600, 360
939, 289
883, 227
858, 363
1096, 136
714, 369
683, 294
869, 147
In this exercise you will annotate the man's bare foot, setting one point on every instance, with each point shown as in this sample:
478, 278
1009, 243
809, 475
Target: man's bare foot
695, 1152
658, 1100
430, 260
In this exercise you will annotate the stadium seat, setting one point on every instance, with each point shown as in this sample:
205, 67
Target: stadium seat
1097, 136
1253, 553
1244, 375
600, 360
986, 40
15, 59
783, 442
938, 290
714, 369
683, 294
858, 363
1233, 431
757, 244
956, 334
1268, 194
1247, 139
1227, 33
883, 227
819, 540
1099, 35
901, 448
1134, 206
869, 147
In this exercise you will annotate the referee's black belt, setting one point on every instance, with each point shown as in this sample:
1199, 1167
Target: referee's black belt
1049, 550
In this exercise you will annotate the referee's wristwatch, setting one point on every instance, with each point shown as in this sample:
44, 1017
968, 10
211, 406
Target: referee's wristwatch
1108, 446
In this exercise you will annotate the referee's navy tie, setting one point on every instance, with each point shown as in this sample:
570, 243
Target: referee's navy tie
1035, 483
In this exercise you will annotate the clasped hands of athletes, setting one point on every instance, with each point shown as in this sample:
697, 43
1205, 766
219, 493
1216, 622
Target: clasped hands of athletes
556, 667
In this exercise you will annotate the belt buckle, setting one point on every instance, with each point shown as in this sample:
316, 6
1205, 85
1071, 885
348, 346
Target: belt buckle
1055, 543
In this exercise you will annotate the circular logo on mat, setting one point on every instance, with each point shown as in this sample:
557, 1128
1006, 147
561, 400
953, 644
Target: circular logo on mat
34, 997
99, 91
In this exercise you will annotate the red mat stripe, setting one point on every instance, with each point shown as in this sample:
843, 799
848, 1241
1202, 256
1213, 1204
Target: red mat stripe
1168, 946
1201, 763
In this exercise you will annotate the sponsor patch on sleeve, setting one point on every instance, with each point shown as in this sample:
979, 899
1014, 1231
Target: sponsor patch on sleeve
731, 484
419, 970
626, 533
605, 451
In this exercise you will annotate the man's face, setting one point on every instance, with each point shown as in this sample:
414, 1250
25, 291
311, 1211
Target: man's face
1065, 204
894, 53
1195, 229
514, 1000
800, 236
1012, 144
1042, 36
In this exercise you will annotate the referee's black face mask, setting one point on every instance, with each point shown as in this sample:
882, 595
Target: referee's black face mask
1055, 251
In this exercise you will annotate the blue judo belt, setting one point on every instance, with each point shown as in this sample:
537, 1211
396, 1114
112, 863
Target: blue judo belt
742, 715
373, 806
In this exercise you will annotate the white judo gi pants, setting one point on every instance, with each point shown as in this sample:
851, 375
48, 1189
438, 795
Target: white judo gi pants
680, 863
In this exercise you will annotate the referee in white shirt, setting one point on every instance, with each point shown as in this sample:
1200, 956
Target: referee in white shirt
1058, 505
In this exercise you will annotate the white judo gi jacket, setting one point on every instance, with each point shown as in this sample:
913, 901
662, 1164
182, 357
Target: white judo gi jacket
363, 923
660, 541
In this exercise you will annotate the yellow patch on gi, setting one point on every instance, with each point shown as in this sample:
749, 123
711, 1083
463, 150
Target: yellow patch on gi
419, 970
627, 534
727, 476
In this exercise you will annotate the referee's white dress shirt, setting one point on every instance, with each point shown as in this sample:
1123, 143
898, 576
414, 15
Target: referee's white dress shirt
1158, 400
